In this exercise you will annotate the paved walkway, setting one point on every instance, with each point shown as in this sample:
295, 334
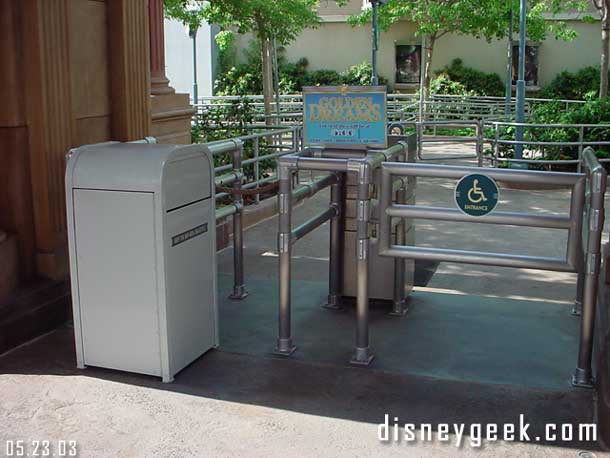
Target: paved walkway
233, 404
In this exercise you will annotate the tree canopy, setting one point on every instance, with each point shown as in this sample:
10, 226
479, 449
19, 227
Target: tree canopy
282, 19
479, 18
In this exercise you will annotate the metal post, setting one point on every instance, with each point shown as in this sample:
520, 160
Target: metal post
193, 35
374, 79
399, 305
521, 86
581, 139
577, 220
419, 132
422, 80
257, 167
362, 355
335, 267
496, 145
276, 79
239, 289
509, 66
583, 375
284, 242
480, 138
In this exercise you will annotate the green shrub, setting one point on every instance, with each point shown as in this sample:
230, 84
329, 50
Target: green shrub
443, 85
580, 85
474, 82
241, 79
360, 75
246, 78
592, 112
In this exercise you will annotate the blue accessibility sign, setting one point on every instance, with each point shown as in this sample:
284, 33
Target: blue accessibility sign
476, 194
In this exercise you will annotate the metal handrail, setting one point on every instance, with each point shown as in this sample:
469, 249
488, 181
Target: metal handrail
581, 143
286, 140
586, 264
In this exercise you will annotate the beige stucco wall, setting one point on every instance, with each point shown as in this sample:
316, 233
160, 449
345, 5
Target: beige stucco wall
337, 45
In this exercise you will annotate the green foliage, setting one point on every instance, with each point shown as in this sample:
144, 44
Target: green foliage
222, 121
282, 19
472, 81
580, 85
360, 75
480, 18
242, 79
443, 85
488, 19
245, 78
191, 13
595, 111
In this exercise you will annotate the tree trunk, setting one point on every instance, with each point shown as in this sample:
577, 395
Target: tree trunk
603, 86
267, 78
428, 66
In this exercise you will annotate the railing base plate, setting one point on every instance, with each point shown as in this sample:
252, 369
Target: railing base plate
362, 357
582, 379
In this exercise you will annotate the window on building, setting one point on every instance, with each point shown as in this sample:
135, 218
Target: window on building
531, 65
408, 63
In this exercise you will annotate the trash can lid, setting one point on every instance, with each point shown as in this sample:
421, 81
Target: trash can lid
127, 166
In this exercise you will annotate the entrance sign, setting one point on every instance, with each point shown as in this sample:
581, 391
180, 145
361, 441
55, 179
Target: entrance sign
345, 116
476, 194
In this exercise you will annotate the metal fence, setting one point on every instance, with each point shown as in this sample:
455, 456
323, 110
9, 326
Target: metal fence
495, 133
400, 107
498, 137
584, 262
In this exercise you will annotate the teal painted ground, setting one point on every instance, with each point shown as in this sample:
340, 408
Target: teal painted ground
455, 337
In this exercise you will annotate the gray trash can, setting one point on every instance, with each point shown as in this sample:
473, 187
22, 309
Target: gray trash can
142, 240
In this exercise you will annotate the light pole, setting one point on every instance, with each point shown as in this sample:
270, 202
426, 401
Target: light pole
521, 84
193, 35
509, 65
375, 36
374, 79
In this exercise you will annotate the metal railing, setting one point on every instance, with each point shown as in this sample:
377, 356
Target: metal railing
338, 164
536, 149
586, 264
420, 128
400, 107
488, 132
282, 142
265, 146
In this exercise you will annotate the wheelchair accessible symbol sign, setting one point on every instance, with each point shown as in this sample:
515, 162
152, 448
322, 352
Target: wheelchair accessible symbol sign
476, 195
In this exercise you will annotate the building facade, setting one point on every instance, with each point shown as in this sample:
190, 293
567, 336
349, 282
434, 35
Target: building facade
73, 72
179, 57
336, 45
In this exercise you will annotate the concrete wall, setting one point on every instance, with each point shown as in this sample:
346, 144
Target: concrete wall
351, 46
179, 57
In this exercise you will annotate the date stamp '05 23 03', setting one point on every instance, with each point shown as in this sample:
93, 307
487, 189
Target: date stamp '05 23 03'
42, 448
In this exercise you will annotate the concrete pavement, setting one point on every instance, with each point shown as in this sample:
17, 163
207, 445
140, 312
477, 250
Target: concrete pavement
245, 402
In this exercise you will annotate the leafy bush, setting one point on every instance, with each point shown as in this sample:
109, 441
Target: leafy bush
474, 82
222, 121
241, 79
360, 75
443, 85
580, 85
246, 78
592, 112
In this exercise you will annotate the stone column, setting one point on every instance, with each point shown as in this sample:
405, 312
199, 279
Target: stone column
171, 113
128, 27
159, 84
17, 244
